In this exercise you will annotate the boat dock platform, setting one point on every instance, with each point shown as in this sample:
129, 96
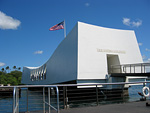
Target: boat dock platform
131, 107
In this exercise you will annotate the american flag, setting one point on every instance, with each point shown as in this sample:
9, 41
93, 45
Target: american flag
57, 26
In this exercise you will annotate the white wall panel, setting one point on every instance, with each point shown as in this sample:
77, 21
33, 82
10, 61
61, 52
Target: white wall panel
94, 43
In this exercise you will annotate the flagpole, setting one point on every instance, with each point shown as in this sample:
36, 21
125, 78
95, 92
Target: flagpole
64, 29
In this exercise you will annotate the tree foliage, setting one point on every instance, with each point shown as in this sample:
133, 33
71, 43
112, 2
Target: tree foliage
2, 69
14, 67
12, 78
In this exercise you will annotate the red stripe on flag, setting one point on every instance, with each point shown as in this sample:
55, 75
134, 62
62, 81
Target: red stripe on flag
57, 26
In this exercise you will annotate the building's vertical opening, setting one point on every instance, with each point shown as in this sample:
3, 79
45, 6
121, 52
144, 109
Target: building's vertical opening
113, 60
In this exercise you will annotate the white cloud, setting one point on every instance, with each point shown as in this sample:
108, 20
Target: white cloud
87, 4
7, 22
128, 22
38, 52
147, 49
140, 44
137, 23
2, 64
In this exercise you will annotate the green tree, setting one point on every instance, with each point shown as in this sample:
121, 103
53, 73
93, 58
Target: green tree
2, 69
19, 80
7, 68
14, 67
16, 74
19, 68
2, 73
11, 80
3, 79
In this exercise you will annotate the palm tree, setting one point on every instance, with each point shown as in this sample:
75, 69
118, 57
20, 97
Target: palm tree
2, 69
19, 68
7, 68
14, 67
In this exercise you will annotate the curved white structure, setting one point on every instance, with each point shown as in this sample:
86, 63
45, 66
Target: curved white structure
85, 56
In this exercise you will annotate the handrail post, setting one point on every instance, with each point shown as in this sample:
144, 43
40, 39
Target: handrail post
49, 98
27, 99
130, 68
144, 68
64, 96
17, 99
43, 99
141, 69
97, 95
57, 99
14, 93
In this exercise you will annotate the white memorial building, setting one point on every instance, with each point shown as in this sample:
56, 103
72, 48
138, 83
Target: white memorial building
86, 56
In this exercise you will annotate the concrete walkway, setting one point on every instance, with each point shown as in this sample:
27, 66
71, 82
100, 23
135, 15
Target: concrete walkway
133, 107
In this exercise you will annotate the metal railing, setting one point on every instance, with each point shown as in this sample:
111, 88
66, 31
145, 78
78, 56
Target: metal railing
131, 68
29, 98
52, 98
49, 100
15, 100
93, 94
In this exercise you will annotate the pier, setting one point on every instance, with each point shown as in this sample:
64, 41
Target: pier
70, 99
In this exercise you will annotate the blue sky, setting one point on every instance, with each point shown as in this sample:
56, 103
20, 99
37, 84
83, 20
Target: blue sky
25, 39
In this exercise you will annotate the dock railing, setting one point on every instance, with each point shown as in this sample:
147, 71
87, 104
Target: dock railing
15, 100
52, 98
